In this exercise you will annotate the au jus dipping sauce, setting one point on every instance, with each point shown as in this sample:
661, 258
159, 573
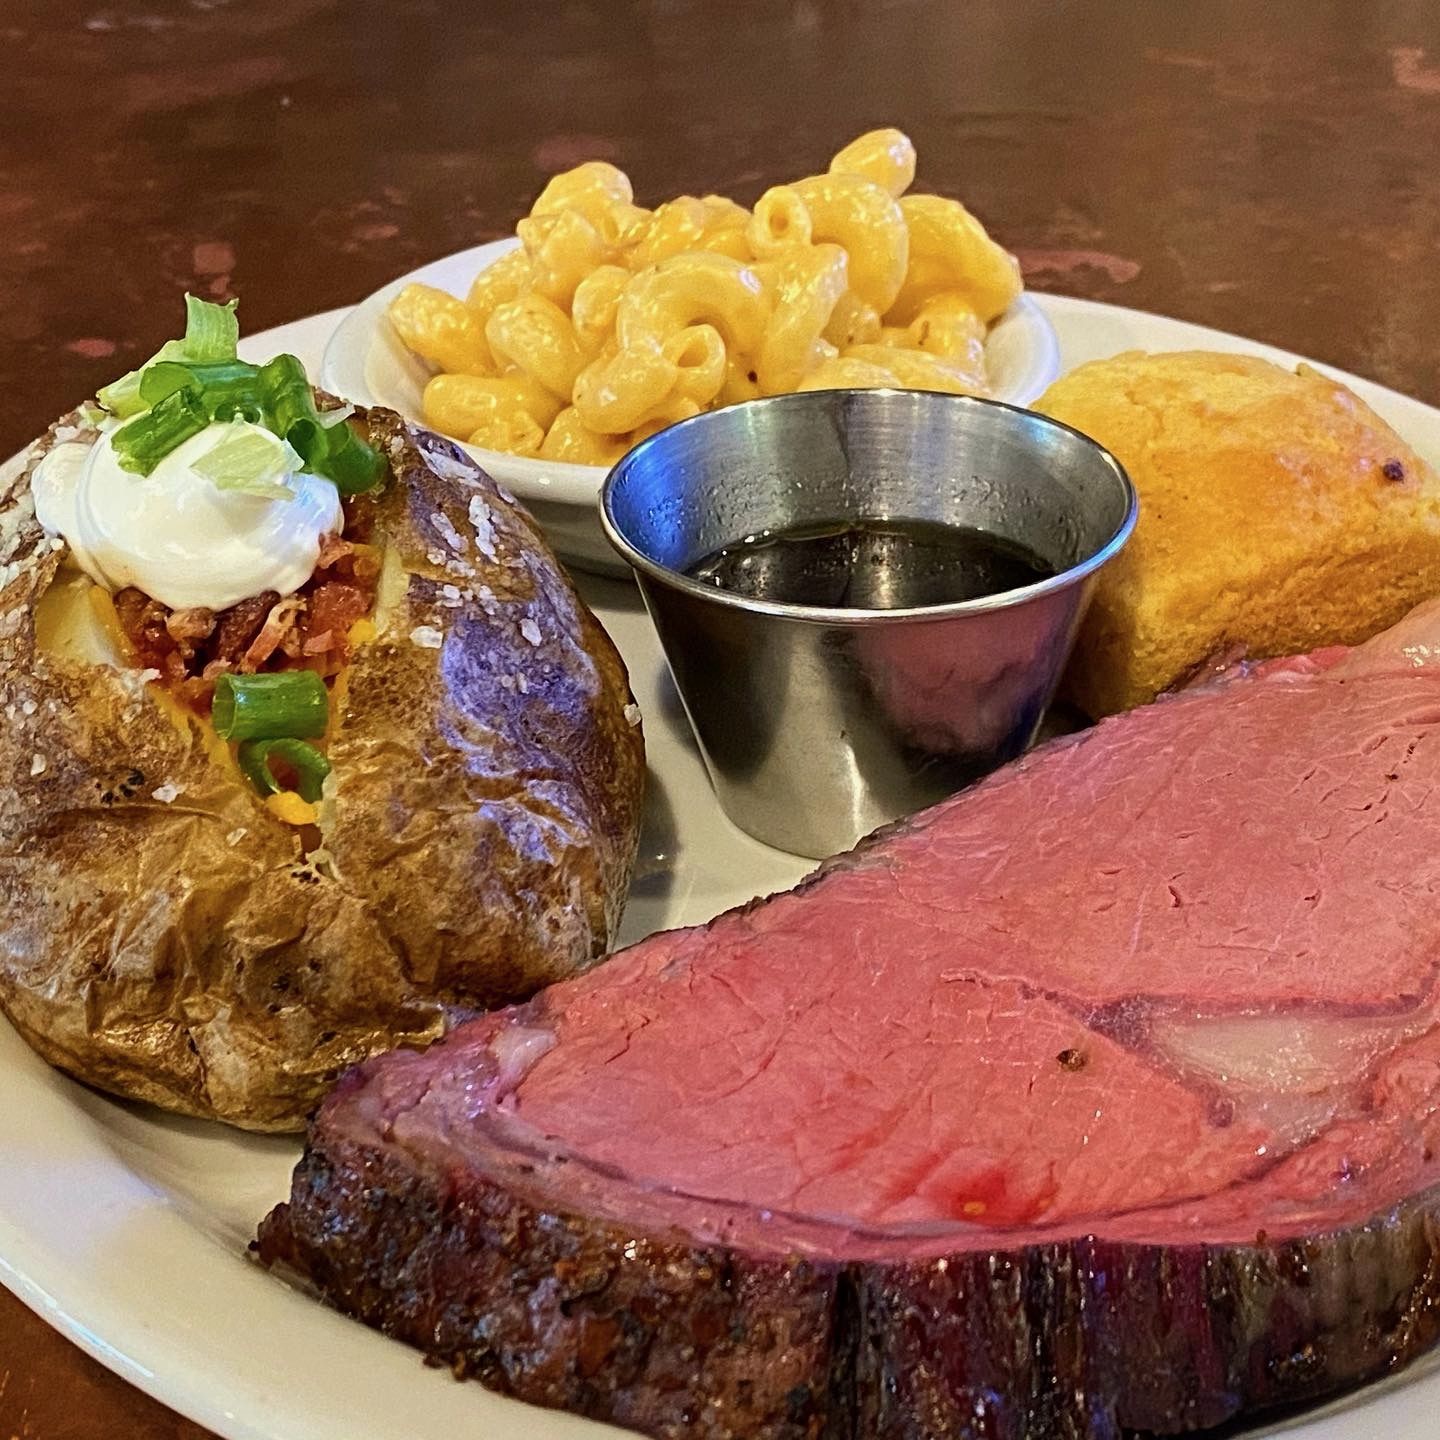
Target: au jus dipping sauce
872, 565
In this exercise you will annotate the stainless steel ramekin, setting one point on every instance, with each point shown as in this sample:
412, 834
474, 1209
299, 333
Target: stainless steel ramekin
819, 724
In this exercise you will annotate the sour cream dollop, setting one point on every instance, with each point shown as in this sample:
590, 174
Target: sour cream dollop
176, 535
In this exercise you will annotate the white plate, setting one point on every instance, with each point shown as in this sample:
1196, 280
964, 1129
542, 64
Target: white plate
127, 1230
366, 362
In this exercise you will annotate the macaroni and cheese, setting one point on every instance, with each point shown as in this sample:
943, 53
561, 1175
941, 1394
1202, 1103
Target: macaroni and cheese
611, 321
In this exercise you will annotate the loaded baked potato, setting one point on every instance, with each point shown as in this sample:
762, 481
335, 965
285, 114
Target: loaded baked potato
219, 926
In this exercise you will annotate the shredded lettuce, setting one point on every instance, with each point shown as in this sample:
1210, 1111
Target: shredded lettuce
250, 461
212, 333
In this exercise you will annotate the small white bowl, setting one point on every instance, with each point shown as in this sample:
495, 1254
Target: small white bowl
366, 362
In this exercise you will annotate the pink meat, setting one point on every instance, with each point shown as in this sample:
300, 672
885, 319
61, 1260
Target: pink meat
1039, 1003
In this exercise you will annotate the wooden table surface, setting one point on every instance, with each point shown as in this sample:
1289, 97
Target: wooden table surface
1265, 169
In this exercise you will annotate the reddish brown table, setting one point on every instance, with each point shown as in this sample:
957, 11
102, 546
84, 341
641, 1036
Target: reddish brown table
1265, 169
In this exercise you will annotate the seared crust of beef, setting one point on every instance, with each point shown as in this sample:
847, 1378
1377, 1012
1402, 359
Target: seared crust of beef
1077, 1340
662, 1336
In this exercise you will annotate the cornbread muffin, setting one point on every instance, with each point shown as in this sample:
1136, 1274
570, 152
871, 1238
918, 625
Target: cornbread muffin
1278, 513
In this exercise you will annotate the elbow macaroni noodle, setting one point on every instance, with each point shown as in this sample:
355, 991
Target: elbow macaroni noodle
611, 321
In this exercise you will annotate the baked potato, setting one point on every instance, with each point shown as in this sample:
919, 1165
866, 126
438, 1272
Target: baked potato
168, 935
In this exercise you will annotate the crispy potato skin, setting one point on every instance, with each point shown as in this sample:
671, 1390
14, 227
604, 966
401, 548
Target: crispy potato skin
484, 821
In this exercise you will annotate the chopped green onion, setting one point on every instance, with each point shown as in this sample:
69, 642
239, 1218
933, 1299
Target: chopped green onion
311, 442
227, 388
142, 443
211, 333
164, 377
251, 461
290, 410
351, 463
332, 450
310, 766
266, 707
288, 398
331, 418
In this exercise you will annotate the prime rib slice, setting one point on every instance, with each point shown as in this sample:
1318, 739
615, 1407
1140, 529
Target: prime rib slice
1104, 1097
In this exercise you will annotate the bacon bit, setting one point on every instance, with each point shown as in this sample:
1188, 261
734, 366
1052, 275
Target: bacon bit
278, 623
143, 622
360, 567
238, 627
138, 615
319, 644
198, 692
293, 645
335, 606
332, 549
195, 623
189, 629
